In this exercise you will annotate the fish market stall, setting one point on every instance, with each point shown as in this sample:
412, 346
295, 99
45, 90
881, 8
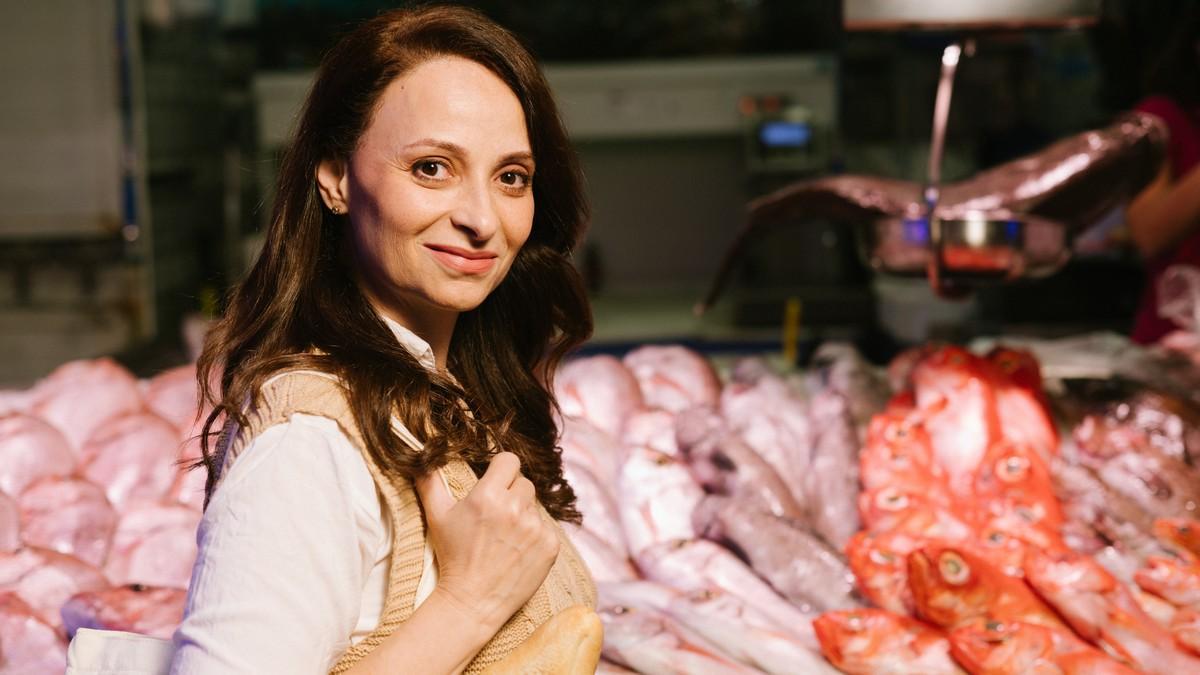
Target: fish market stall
1000, 503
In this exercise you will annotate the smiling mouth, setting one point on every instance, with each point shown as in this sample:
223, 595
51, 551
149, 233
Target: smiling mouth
462, 260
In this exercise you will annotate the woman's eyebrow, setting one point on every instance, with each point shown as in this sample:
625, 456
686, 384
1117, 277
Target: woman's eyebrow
517, 158
453, 148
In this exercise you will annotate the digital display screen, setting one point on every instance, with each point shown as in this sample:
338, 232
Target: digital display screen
779, 134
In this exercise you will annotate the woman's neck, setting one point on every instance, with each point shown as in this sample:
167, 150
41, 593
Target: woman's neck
434, 327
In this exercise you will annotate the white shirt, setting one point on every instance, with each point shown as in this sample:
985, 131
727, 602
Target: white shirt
294, 550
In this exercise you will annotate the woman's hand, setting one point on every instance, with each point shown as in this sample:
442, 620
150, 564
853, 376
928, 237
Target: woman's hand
493, 547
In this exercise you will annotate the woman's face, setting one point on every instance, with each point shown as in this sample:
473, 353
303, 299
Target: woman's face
438, 191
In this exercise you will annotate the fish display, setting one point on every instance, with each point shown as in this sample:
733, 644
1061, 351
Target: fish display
946, 514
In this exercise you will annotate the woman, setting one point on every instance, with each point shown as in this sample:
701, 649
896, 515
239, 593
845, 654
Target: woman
398, 330
1164, 220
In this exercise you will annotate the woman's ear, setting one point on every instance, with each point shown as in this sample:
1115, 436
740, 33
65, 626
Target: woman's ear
332, 182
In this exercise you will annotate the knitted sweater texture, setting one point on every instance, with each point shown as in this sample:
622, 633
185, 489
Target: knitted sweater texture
568, 583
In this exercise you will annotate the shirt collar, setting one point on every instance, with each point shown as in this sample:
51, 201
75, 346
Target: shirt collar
413, 343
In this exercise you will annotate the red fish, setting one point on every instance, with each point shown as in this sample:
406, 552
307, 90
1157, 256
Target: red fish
957, 394
1171, 580
870, 641
1186, 629
1021, 400
1104, 612
952, 587
898, 452
1181, 534
1012, 648
880, 566
1018, 474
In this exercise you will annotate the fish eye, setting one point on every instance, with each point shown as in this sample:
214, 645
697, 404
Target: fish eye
1012, 468
1031, 514
895, 432
890, 499
881, 557
953, 568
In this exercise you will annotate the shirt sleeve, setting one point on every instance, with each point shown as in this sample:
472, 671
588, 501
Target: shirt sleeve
285, 548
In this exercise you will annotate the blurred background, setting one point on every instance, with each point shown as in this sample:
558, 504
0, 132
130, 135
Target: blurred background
140, 140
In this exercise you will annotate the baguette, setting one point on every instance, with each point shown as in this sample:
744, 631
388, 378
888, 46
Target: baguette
568, 644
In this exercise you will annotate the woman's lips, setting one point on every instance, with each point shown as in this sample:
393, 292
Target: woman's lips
461, 260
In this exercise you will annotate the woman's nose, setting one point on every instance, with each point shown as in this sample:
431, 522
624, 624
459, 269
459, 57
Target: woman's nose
476, 212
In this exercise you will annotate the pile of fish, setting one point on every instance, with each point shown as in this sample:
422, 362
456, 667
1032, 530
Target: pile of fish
715, 512
944, 516
98, 515
990, 547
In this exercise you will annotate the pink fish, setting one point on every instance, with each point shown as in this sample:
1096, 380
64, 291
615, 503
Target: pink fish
31, 449
1104, 612
597, 504
188, 486
657, 496
649, 641
597, 450
606, 667
744, 633
772, 418
654, 429
698, 564
600, 390
832, 478
134, 457
28, 645
604, 561
154, 545
145, 610
80, 396
873, 641
10, 524
175, 396
724, 464
673, 378
14, 401
796, 563
45, 579
68, 515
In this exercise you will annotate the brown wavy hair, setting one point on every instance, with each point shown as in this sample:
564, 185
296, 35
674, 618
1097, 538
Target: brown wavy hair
300, 308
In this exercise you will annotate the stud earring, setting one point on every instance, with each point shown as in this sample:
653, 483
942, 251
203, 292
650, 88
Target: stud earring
337, 210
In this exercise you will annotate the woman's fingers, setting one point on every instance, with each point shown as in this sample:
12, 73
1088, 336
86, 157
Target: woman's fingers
434, 496
503, 469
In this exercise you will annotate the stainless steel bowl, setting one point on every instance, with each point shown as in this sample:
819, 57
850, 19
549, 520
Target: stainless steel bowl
967, 249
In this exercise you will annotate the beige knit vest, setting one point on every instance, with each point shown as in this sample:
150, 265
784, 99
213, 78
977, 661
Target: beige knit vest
569, 582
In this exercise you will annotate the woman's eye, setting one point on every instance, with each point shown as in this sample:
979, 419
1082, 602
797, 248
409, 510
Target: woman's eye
515, 179
428, 168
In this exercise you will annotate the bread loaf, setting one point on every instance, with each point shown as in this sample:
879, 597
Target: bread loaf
568, 644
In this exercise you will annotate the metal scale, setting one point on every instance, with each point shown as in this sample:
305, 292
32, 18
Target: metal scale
1010, 222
